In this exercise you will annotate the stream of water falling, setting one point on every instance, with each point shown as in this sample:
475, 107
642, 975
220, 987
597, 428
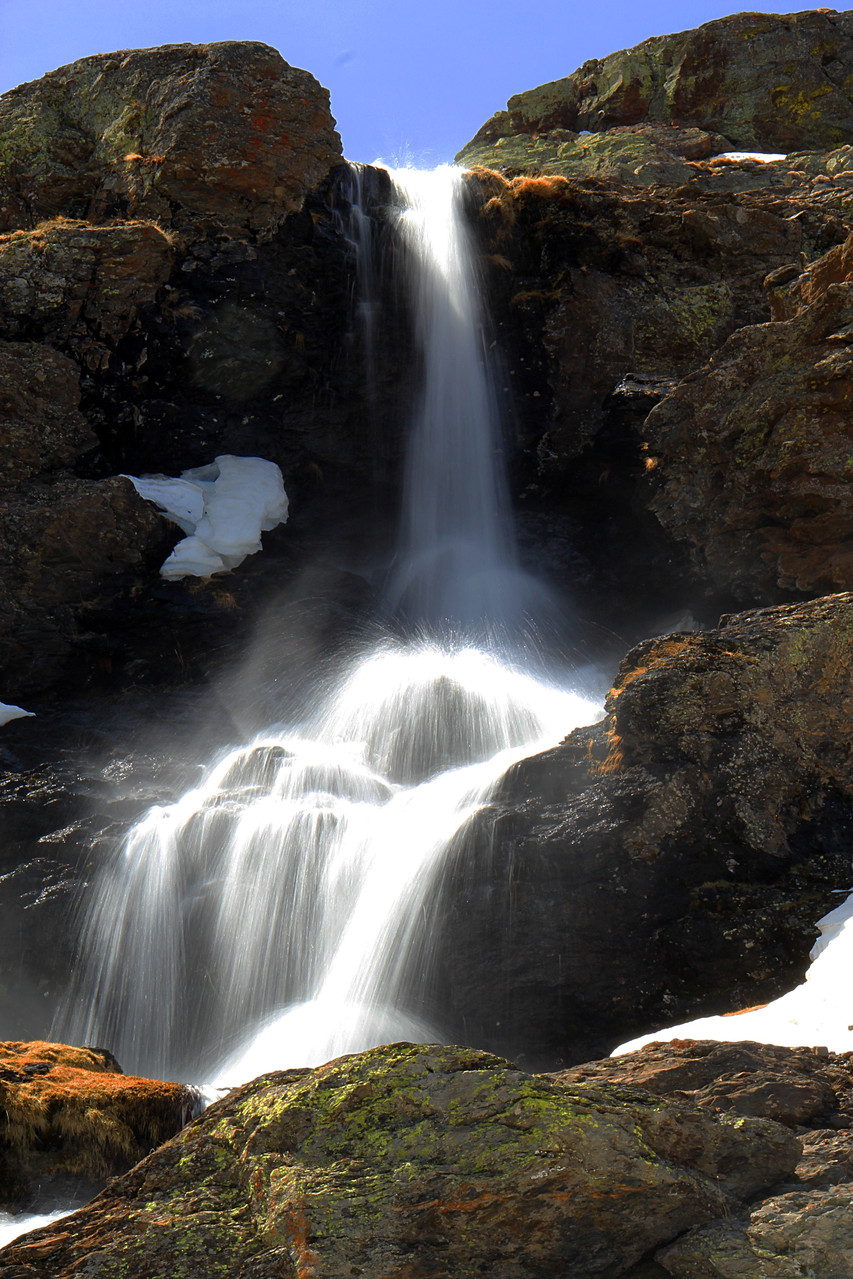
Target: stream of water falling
267, 919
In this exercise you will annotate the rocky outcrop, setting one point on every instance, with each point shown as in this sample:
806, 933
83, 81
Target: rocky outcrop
80, 286
62, 543
223, 134
801, 1087
71, 1119
758, 81
604, 298
685, 845
417, 1159
802, 1227
752, 453
175, 284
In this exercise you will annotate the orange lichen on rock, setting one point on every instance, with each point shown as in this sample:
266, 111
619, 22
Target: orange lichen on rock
663, 653
72, 1111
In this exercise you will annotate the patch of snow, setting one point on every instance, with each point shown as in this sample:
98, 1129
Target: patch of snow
8, 713
817, 1013
764, 157
223, 508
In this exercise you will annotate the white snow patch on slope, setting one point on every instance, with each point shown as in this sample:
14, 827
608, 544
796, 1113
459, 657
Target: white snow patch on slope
764, 157
819, 1013
223, 508
8, 713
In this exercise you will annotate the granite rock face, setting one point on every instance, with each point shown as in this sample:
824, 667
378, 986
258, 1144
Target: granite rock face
685, 845
757, 81
222, 133
416, 1160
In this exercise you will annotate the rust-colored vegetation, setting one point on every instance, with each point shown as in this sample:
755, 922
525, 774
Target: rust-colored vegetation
502, 198
71, 1110
663, 653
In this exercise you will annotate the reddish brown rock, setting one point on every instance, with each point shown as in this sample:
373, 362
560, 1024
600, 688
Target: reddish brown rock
71, 1113
752, 455
227, 134
794, 1086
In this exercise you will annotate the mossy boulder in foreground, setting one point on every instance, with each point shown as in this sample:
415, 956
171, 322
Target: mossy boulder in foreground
414, 1160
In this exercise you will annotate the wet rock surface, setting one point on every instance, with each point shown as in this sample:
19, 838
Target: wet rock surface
417, 1160
598, 290
71, 1119
685, 845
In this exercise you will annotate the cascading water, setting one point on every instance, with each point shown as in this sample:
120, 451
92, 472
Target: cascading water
457, 557
268, 918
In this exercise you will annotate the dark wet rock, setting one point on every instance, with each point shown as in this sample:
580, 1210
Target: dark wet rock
685, 846
591, 284
41, 426
416, 1159
71, 1119
223, 134
62, 543
752, 454
80, 286
764, 82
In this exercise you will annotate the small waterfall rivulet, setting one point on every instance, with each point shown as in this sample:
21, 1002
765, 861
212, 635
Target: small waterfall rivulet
269, 917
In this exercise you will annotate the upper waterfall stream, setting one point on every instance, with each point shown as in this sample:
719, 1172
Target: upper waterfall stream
278, 914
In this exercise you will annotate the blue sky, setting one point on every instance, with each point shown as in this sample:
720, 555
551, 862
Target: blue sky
408, 80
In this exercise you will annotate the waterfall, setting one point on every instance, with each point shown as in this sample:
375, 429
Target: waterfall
269, 917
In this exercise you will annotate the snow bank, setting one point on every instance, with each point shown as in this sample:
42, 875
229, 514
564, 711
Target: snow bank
12, 712
817, 1013
223, 507
765, 157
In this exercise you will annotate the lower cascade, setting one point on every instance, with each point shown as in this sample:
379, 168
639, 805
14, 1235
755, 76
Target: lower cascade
279, 913
277, 906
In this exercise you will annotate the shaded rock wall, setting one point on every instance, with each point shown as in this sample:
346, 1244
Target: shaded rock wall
684, 846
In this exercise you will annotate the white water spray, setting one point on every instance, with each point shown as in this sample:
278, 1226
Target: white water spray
276, 915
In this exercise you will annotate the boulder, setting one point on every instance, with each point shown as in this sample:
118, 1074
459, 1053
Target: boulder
751, 455
225, 135
794, 1086
764, 82
416, 1159
71, 1116
802, 1227
685, 846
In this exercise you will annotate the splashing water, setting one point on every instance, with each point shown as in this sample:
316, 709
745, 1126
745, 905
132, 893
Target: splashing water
457, 557
295, 875
269, 917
